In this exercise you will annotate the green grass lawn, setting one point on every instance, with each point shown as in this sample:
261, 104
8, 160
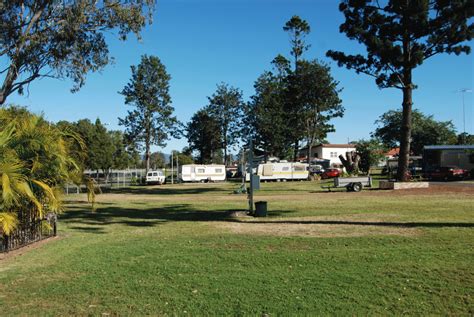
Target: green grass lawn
180, 250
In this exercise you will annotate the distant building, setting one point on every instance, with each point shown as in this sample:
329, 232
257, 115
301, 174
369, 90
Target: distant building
392, 153
329, 152
449, 155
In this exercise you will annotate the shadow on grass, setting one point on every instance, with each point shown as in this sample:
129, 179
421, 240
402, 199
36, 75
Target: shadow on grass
81, 202
373, 223
164, 190
84, 220
199, 188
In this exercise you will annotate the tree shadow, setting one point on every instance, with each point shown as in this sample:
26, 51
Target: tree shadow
163, 190
82, 202
374, 223
84, 220
89, 229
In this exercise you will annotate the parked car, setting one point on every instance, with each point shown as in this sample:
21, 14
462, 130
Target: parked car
331, 173
446, 173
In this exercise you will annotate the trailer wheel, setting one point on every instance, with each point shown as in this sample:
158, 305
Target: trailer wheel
357, 187
349, 188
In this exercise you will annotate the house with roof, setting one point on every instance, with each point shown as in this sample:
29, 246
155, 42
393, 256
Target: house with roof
329, 152
392, 153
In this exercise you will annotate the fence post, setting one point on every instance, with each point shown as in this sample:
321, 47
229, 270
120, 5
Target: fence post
5, 243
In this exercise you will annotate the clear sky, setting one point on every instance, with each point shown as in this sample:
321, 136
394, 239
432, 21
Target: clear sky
205, 42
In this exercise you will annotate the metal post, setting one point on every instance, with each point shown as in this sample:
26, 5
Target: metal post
172, 171
250, 171
242, 167
463, 118
177, 168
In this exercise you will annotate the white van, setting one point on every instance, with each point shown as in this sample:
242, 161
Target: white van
202, 173
155, 177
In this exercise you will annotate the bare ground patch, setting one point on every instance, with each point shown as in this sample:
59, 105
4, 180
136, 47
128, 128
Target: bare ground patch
321, 227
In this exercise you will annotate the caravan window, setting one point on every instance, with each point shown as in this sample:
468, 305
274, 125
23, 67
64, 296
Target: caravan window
285, 169
150, 174
299, 168
155, 174
201, 170
218, 170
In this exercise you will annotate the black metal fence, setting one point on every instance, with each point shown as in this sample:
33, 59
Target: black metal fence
28, 232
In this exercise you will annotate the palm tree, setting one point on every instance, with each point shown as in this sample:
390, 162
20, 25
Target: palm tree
35, 161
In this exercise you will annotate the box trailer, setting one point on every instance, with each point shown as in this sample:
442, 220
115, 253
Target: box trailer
202, 173
281, 171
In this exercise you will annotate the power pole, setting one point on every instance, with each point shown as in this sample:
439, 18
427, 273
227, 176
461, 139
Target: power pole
172, 171
177, 168
242, 167
463, 91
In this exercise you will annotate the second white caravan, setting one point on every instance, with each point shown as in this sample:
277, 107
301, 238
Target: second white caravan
202, 173
282, 171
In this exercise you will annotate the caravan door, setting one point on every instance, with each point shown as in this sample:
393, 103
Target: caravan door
193, 173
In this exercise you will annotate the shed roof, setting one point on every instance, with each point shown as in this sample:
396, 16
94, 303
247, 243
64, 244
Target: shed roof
449, 147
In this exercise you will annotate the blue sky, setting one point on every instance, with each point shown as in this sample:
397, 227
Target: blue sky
205, 42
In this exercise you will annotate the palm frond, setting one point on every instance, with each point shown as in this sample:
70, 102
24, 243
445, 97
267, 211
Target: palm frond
10, 176
26, 191
8, 223
92, 191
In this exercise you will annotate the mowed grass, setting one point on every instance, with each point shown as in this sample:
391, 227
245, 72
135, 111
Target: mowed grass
188, 250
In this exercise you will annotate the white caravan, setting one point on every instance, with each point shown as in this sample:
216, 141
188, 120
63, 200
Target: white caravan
202, 173
155, 177
281, 171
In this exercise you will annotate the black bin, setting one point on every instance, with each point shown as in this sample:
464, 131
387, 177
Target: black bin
260, 209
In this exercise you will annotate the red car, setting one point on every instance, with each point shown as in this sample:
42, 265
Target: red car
331, 173
446, 173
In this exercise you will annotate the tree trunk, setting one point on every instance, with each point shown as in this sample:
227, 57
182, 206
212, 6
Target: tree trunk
295, 154
403, 159
148, 118
147, 156
3, 97
10, 78
309, 153
225, 154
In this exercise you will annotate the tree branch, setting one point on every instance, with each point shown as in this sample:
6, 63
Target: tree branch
6, 69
